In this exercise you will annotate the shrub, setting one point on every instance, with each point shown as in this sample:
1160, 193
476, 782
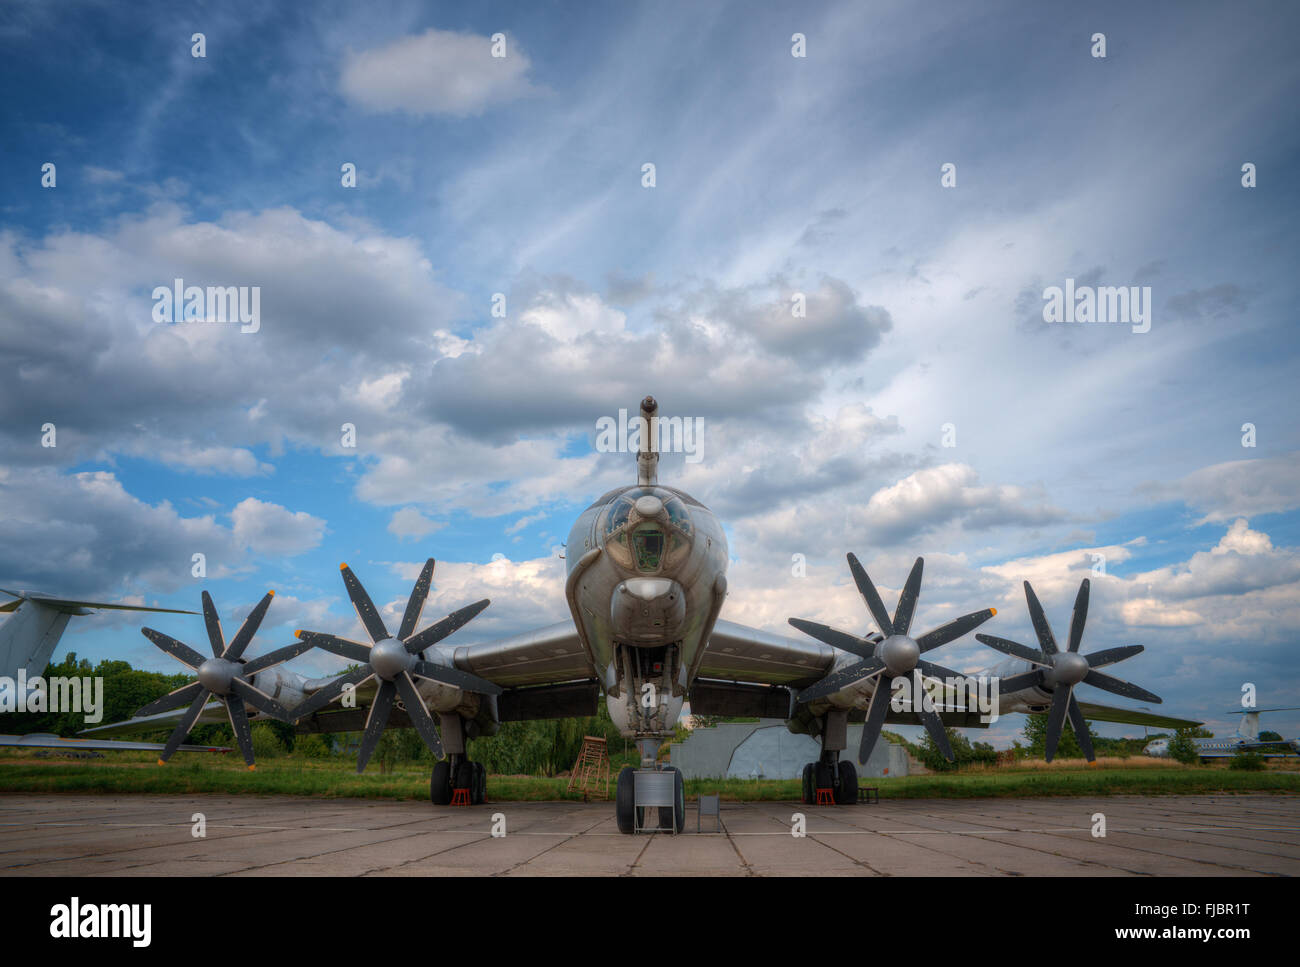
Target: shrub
266, 744
1247, 761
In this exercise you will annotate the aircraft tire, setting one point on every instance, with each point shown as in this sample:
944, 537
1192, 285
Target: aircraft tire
809, 796
478, 793
847, 792
440, 783
625, 800
666, 812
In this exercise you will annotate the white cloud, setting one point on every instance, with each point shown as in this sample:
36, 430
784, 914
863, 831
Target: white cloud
436, 72
410, 523
267, 528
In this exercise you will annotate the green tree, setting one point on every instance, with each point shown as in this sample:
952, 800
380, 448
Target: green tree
1183, 749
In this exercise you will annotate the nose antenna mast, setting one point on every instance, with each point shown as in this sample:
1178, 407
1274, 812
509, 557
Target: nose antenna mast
647, 456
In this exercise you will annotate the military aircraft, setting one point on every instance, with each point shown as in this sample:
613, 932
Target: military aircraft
1245, 740
646, 584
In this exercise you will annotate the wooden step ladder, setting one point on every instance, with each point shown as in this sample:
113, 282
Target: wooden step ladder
591, 772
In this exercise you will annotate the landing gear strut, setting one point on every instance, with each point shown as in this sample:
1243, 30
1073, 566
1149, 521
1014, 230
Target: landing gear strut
829, 772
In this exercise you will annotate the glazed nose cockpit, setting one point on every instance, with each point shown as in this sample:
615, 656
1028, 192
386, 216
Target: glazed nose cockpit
648, 533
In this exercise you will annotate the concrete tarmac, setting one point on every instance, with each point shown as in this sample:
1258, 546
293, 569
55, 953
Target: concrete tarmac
64, 835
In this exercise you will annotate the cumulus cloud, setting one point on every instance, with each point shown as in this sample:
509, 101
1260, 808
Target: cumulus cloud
436, 72
1237, 488
410, 523
267, 528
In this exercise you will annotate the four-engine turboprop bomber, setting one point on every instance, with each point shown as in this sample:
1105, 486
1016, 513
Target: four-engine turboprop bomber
646, 584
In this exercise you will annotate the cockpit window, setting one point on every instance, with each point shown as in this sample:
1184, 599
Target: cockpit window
678, 515
618, 515
648, 546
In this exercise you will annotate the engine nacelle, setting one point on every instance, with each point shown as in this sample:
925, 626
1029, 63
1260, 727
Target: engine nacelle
283, 686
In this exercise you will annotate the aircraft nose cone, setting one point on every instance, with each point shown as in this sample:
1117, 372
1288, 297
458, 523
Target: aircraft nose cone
649, 610
648, 589
389, 658
899, 653
1069, 668
215, 675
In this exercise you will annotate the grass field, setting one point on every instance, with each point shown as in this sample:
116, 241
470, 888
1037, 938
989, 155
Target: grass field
135, 772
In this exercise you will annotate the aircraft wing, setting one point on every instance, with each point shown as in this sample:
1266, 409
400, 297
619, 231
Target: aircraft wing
1133, 716
47, 740
739, 653
214, 713
543, 656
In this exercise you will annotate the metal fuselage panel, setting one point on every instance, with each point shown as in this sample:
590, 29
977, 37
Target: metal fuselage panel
690, 552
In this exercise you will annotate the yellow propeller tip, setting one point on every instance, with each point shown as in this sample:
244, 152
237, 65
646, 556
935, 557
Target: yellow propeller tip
298, 633
271, 593
162, 762
252, 768
343, 566
994, 610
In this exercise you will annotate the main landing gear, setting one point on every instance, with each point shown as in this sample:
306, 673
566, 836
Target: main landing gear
458, 772
839, 777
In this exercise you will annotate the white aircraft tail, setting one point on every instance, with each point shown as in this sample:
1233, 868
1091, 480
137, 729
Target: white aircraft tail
1248, 727
35, 624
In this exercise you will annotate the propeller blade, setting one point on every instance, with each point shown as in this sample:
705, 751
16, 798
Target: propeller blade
1119, 687
330, 692
259, 700
934, 725
871, 596
836, 639
366, 610
213, 624
1016, 683
843, 678
1079, 617
419, 714
1008, 647
272, 658
440, 630
954, 629
876, 713
935, 670
1056, 718
173, 700
351, 650
249, 628
1081, 729
907, 600
184, 726
380, 709
1041, 628
239, 723
455, 677
178, 650
415, 603
1100, 659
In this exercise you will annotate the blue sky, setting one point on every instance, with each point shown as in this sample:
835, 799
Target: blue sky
775, 175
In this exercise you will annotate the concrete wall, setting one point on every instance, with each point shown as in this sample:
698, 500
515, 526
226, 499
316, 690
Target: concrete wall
768, 750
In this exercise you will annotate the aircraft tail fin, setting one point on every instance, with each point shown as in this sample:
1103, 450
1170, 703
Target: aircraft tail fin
35, 624
1248, 728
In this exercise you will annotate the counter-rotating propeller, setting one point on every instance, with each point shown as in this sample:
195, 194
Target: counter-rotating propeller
395, 661
894, 656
